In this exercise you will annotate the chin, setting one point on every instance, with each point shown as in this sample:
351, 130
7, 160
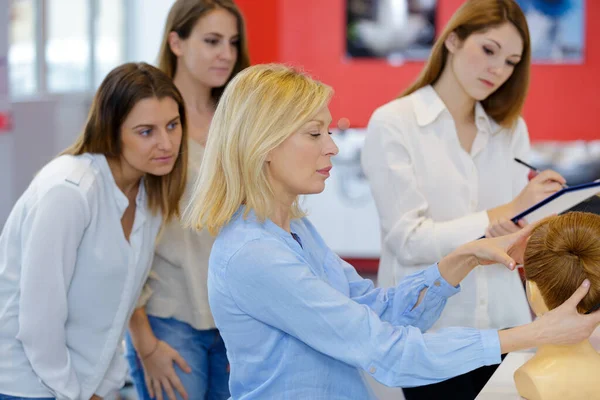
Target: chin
160, 171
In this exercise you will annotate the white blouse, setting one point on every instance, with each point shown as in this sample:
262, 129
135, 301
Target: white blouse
176, 287
432, 197
69, 280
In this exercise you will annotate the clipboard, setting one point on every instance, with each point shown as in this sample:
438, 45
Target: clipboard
560, 202
572, 198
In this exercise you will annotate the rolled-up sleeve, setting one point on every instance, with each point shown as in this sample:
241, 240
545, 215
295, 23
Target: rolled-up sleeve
414, 238
521, 149
396, 305
276, 286
54, 228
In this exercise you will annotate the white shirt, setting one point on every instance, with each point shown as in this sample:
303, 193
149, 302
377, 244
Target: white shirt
69, 281
176, 287
432, 197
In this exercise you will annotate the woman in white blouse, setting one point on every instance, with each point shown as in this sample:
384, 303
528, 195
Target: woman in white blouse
174, 348
78, 245
440, 162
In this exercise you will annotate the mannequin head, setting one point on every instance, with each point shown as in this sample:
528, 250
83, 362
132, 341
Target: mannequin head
561, 253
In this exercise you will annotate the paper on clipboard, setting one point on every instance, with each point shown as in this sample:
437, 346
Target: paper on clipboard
560, 202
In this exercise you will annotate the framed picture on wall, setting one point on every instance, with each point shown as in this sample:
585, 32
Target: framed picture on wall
557, 29
397, 30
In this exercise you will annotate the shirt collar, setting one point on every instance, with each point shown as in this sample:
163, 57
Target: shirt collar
428, 106
120, 199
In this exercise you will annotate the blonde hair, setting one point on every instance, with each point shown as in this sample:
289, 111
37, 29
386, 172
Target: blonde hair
506, 104
119, 92
561, 253
260, 108
183, 16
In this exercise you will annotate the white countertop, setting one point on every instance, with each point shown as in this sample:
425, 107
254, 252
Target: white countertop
501, 385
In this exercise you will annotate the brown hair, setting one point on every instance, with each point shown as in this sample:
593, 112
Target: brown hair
506, 103
561, 252
120, 91
183, 17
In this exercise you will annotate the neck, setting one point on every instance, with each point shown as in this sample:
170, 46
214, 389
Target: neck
126, 179
197, 96
281, 214
553, 351
460, 105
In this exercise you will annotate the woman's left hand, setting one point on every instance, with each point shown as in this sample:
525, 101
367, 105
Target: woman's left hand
507, 250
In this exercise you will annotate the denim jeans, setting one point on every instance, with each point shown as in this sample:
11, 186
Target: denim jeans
204, 351
7, 397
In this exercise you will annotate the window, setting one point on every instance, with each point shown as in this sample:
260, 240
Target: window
22, 59
68, 45
78, 43
109, 38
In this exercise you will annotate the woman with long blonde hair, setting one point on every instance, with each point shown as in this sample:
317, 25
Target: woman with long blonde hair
297, 321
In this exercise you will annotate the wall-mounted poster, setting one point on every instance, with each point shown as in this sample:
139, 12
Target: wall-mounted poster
399, 30
557, 29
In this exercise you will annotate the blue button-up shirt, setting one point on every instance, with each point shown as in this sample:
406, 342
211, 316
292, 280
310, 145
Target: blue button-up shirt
300, 323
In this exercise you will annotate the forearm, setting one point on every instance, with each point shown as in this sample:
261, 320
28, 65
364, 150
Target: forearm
507, 211
519, 338
142, 336
457, 265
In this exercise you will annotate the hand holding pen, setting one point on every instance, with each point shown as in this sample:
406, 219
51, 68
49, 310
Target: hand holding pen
541, 186
534, 169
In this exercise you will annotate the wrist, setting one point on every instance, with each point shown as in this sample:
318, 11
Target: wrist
456, 265
146, 354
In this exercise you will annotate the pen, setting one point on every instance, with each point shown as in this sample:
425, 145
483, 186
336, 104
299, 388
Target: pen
531, 167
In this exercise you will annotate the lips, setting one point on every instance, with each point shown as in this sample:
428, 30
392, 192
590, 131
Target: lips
487, 83
325, 170
164, 158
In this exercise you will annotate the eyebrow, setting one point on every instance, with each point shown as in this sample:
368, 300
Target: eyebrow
236, 36
152, 125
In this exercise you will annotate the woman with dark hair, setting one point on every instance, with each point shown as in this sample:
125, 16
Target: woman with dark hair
174, 348
440, 162
78, 245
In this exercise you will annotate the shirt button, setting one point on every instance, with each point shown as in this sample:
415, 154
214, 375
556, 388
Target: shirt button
437, 283
372, 370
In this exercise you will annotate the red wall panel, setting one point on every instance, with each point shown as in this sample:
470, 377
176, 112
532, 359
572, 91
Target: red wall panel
562, 103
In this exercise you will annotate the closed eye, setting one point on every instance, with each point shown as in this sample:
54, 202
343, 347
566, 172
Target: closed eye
488, 51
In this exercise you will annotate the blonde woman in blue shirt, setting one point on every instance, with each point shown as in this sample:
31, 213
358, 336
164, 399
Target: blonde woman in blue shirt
78, 245
297, 321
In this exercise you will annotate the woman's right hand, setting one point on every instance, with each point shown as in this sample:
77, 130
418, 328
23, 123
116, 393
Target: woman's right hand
543, 185
564, 325
159, 372
540, 187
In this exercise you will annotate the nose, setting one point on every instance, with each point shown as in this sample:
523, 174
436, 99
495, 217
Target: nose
497, 67
228, 52
165, 140
330, 148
